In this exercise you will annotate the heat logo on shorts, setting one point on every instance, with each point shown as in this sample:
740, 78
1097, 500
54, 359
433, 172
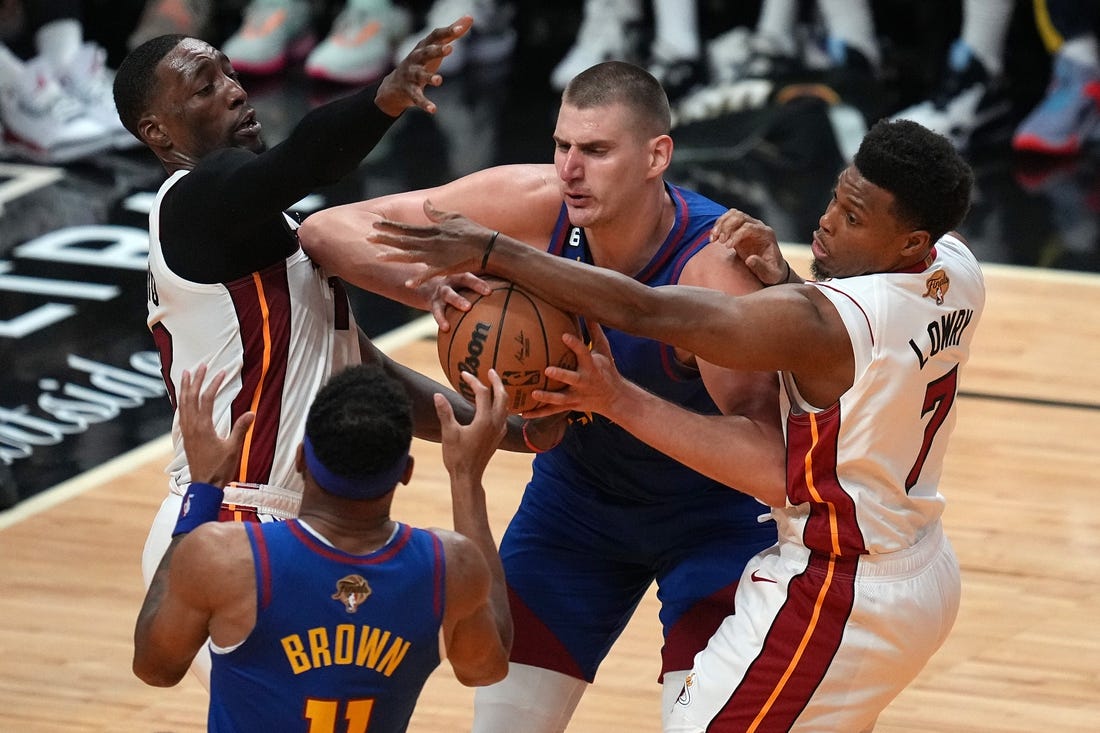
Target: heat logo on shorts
685, 691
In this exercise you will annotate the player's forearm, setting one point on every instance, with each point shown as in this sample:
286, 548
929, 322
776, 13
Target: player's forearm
470, 515
151, 663
603, 295
335, 239
731, 449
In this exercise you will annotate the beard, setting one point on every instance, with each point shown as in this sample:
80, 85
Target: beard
818, 271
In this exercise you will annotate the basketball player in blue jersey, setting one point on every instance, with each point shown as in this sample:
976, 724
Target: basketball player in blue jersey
341, 613
604, 515
836, 618
228, 284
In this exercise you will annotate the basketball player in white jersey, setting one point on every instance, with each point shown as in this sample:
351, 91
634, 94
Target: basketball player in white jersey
228, 284
863, 587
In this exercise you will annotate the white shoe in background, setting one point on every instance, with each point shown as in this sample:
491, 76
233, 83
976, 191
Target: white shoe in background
359, 48
43, 123
88, 81
491, 39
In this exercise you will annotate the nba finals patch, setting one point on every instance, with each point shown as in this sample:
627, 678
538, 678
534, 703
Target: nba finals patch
351, 590
937, 284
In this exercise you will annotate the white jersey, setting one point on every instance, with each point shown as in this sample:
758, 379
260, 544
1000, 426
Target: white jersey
863, 474
278, 334
815, 642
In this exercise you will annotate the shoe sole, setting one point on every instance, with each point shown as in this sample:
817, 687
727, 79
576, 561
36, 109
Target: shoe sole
295, 52
58, 155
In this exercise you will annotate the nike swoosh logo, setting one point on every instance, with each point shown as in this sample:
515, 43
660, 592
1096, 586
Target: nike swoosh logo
758, 579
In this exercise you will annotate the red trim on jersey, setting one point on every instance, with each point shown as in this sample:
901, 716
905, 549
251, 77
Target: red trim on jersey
438, 576
797, 652
812, 477
263, 307
857, 305
535, 644
673, 369
162, 337
331, 553
669, 247
263, 564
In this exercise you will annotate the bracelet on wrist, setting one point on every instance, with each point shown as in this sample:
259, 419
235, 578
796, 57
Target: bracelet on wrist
489, 249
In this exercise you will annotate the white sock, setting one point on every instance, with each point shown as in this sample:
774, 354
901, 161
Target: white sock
676, 29
776, 25
851, 21
985, 31
543, 700
59, 41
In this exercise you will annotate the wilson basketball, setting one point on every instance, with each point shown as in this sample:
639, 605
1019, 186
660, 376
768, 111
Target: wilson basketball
511, 331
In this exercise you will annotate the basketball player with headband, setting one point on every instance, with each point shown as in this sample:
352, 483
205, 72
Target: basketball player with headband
342, 612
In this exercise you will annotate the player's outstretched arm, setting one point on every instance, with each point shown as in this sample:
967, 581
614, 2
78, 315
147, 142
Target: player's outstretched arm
776, 328
478, 623
404, 86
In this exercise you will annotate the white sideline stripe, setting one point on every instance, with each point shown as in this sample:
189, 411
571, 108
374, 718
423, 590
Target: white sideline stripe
47, 499
77, 485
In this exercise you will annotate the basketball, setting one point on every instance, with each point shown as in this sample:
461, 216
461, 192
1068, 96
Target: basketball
511, 331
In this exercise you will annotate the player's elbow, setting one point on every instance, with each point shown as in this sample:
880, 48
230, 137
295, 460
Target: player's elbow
490, 671
155, 674
314, 236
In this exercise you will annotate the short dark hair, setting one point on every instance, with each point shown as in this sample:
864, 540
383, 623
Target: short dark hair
929, 179
360, 422
620, 82
135, 80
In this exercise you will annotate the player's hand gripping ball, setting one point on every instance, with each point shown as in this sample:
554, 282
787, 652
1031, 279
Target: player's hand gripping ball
513, 332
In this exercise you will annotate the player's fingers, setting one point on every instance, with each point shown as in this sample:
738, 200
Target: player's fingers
439, 313
470, 281
544, 409
563, 375
482, 395
500, 398
444, 412
240, 429
206, 400
186, 388
456, 300
600, 344
448, 33
550, 402
576, 345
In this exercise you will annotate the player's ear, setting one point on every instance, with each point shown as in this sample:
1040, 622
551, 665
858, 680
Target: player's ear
917, 242
152, 132
300, 459
407, 474
660, 154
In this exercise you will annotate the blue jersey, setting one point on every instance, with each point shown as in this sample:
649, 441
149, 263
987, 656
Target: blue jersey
599, 453
341, 642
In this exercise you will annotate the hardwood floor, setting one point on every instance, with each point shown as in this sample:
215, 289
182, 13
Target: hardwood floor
1024, 655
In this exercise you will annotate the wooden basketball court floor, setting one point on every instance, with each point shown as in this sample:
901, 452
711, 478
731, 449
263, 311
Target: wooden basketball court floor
1023, 513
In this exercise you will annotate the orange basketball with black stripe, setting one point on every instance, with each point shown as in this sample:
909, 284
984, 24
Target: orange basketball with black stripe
512, 331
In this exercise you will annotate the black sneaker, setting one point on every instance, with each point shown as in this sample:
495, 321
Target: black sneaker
969, 103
